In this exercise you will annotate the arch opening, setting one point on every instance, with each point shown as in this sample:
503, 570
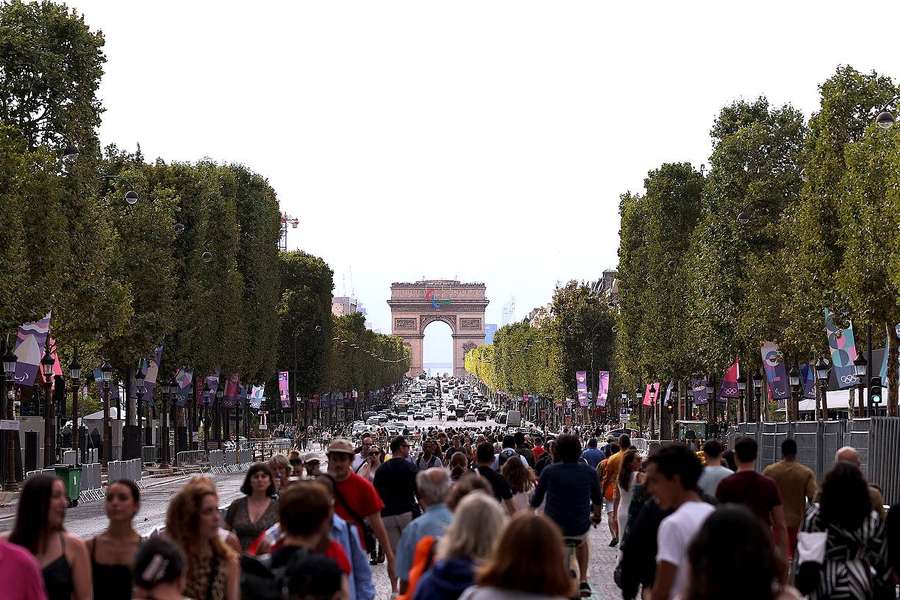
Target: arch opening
438, 349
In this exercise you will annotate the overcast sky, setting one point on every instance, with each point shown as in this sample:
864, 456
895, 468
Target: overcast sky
481, 140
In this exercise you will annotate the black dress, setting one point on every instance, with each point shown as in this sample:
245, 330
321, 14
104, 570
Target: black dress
110, 581
58, 576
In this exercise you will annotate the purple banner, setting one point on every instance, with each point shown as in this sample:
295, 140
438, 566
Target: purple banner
184, 378
581, 387
843, 352
602, 388
698, 390
151, 375
232, 389
728, 388
283, 392
808, 381
30, 341
776, 373
256, 397
212, 382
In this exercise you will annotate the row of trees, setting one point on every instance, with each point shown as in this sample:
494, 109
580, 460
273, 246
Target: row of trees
792, 217
192, 264
542, 359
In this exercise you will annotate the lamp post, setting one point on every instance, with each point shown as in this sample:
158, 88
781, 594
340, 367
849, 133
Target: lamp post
139, 377
106, 376
742, 392
207, 394
712, 424
74, 376
623, 404
757, 393
822, 379
164, 428
792, 411
9, 453
220, 394
860, 366
47, 363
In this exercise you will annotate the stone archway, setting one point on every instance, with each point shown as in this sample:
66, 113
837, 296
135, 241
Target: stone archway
459, 305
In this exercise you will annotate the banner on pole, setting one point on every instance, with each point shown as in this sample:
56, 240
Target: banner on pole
603, 388
151, 375
808, 381
698, 390
669, 388
30, 341
776, 373
283, 393
232, 390
581, 387
843, 352
256, 397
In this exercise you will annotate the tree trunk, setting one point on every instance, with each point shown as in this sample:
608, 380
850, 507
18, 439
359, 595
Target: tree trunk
892, 391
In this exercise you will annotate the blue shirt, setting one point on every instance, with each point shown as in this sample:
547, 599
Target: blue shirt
593, 456
433, 522
360, 580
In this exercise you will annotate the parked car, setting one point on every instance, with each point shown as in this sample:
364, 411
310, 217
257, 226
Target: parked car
451, 417
470, 418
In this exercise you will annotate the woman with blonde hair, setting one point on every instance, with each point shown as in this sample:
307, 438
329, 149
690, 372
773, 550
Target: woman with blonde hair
521, 480
281, 469
477, 523
192, 522
511, 573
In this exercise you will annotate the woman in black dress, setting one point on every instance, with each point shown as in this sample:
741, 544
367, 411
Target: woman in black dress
112, 552
249, 516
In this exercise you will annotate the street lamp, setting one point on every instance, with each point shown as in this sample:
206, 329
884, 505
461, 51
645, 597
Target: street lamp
822, 377
9, 374
757, 394
47, 363
164, 427
75, 375
742, 392
139, 378
793, 410
106, 376
220, 394
207, 394
860, 367
712, 424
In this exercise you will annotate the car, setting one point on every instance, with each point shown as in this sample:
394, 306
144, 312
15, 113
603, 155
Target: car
481, 416
501, 418
452, 417
418, 417
470, 418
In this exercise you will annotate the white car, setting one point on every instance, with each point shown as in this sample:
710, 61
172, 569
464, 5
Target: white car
470, 418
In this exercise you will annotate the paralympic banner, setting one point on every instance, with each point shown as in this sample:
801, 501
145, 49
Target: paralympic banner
808, 381
729, 388
232, 390
698, 390
212, 382
843, 352
283, 392
151, 374
256, 397
603, 389
776, 372
581, 387
30, 341
184, 378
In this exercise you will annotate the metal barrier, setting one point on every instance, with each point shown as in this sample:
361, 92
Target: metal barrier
190, 457
150, 454
124, 469
91, 485
31, 474
877, 440
216, 459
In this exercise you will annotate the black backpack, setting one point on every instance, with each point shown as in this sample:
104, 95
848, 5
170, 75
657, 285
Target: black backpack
259, 581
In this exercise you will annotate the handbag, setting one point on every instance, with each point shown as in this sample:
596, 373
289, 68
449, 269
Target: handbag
368, 533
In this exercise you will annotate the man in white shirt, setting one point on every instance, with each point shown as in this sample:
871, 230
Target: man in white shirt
713, 472
672, 475
360, 457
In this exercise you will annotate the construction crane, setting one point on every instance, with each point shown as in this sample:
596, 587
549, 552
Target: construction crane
286, 220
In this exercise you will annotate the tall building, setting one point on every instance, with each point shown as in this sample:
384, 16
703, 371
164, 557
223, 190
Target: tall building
607, 287
509, 309
345, 305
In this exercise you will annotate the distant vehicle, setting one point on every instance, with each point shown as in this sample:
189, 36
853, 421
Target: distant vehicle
418, 417
460, 411
451, 417
500, 418
481, 416
470, 418
513, 418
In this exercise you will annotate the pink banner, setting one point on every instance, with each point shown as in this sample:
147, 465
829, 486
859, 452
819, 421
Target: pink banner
650, 393
729, 388
581, 387
283, 389
603, 388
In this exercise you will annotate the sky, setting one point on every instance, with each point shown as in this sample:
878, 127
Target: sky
479, 140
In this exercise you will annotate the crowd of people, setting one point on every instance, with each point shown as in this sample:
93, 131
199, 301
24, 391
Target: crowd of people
477, 515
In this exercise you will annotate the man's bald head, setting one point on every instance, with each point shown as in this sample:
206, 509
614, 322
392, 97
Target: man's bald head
848, 454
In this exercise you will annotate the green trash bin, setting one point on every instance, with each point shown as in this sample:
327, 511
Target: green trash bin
71, 476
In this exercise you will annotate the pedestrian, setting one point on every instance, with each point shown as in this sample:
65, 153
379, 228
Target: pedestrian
797, 485
609, 476
39, 528
850, 455
362, 453
892, 531
523, 449
629, 477
192, 522
502, 491
429, 458
592, 455
357, 502
521, 481
842, 549
477, 523
280, 469
672, 475
637, 552
296, 464
257, 510
459, 466
373, 462
758, 492
511, 573
20, 573
547, 458
432, 486
160, 571
748, 570
113, 551
713, 472
395, 482
574, 500
312, 462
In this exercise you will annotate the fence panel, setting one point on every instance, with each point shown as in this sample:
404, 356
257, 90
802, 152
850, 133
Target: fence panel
190, 457
884, 450
150, 454
216, 458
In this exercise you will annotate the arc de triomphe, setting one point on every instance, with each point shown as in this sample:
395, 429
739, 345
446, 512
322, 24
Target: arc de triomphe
459, 305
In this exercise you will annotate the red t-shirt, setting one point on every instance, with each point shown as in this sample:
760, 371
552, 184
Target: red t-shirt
537, 452
362, 498
335, 552
757, 492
